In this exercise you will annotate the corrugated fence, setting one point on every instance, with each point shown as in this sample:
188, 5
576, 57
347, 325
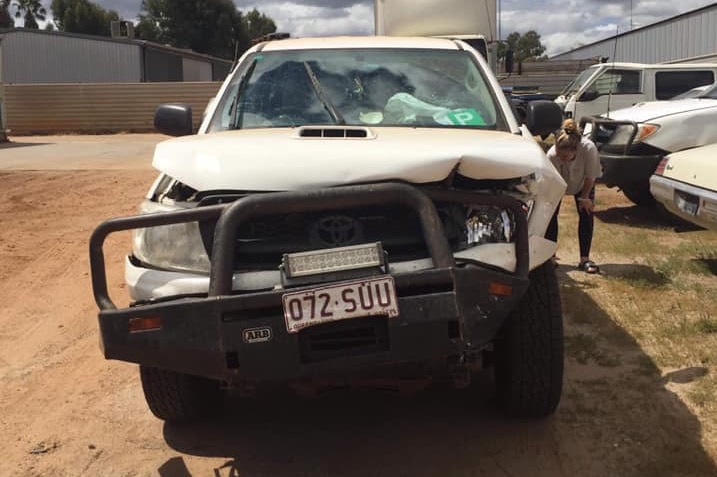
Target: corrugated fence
97, 107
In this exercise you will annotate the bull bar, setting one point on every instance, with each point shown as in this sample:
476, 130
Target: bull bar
202, 334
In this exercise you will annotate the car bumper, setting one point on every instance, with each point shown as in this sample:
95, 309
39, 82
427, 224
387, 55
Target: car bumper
620, 169
688, 202
447, 316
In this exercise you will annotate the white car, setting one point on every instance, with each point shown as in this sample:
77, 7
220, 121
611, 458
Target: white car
686, 184
352, 210
634, 140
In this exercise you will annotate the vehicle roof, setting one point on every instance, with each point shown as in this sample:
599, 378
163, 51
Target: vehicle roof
653, 66
348, 42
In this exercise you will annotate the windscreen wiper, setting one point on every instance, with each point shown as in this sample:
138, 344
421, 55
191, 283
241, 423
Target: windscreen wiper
335, 115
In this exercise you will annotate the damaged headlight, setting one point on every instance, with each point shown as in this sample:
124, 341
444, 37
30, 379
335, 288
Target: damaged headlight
170, 247
489, 224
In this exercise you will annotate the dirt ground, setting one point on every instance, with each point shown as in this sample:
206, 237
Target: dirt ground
66, 411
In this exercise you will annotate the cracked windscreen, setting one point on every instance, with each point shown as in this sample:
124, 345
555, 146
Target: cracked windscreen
359, 87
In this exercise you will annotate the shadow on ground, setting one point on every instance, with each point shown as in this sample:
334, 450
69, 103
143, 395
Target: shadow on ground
710, 263
644, 217
634, 272
616, 418
14, 144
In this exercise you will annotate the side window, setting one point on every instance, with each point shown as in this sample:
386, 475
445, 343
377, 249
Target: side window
672, 83
617, 82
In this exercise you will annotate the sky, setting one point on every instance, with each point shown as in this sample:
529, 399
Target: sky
561, 24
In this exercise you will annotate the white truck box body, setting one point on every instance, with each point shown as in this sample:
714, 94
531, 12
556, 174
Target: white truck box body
436, 18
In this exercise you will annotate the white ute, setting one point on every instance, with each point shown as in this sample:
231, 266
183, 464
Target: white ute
352, 210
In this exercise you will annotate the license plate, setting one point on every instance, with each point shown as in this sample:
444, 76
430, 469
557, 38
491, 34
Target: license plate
686, 203
340, 301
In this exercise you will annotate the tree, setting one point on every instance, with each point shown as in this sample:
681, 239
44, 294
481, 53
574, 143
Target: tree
213, 27
31, 11
6, 20
82, 16
258, 24
526, 47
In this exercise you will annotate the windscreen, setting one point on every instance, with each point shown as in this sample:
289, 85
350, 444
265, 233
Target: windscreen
710, 93
575, 85
377, 87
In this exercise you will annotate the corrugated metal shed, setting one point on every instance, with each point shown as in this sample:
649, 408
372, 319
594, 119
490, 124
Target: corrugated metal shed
37, 56
196, 70
685, 36
32, 57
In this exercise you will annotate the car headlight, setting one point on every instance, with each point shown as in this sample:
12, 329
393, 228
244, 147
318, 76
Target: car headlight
488, 224
170, 247
623, 133
645, 130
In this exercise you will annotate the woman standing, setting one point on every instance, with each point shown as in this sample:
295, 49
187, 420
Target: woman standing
577, 160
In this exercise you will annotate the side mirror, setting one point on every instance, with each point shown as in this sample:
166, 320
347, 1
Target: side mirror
174, 119
509, 61
543, 117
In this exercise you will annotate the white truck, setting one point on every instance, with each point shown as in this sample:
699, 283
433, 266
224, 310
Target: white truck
472, 21
606, 87
353, 211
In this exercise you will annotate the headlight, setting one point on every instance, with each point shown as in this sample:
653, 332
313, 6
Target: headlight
623, 133
489, 225
645, 130
170, 247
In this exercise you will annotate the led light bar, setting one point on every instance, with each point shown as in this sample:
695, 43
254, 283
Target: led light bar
303, 264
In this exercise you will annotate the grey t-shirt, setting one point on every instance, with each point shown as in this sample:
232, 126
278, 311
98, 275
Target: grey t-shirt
586, 165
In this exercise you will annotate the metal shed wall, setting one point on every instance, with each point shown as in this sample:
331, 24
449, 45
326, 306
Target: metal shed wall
195, 70
685, 36
95, 108
162, 66
43, 58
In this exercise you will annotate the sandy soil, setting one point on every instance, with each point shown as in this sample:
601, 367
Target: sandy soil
66, 411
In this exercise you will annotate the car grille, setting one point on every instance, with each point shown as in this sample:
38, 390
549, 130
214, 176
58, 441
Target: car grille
262, 242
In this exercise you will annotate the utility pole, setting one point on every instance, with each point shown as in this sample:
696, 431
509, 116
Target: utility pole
500, 37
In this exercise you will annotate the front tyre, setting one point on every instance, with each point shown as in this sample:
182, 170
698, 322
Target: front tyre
529, 350
177, 397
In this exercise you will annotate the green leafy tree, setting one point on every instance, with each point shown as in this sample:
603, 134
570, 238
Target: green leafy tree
31, 11
213, 27
82, 16
6, 20
526, 47
258, 24
148, 29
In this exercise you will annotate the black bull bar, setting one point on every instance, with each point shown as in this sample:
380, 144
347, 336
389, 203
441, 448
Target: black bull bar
228, 217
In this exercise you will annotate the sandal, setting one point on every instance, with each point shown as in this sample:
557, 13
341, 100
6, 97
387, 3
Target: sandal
588, 266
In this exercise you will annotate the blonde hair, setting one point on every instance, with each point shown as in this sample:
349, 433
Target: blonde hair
569, 137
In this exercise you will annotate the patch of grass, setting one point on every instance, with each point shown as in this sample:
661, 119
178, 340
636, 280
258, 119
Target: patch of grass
703, 393
644, 278
632, 243
706, 325
689, 257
